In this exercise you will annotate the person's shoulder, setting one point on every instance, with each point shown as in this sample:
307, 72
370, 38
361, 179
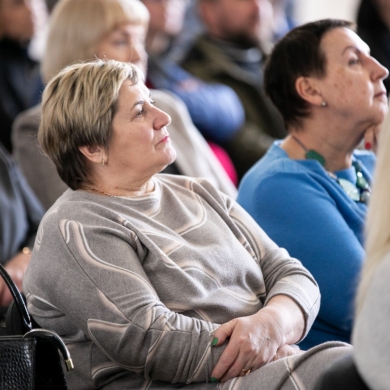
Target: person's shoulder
6, 160
73, 204
275, 161
28, 119
276, 172
199, 52
166, 100
174, 107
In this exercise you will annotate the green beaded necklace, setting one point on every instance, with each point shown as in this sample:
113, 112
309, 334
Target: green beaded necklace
359, 192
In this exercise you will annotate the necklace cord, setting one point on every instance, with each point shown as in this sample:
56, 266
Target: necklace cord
362, 190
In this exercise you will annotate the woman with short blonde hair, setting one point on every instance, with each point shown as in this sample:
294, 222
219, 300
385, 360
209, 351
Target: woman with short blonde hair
81, 30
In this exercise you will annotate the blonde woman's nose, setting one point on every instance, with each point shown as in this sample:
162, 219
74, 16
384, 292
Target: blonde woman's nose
162, 119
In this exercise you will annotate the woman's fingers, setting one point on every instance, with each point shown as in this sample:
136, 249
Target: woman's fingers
285, 351
251, 345
222, 333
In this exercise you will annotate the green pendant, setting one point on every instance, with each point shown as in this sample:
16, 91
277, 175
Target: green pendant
313, 155
350, 189
361, 181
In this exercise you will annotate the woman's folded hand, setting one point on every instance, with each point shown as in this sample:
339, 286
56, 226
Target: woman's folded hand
258, 339
253, 342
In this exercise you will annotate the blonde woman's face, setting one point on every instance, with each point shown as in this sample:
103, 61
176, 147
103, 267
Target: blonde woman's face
140, 140
126, 44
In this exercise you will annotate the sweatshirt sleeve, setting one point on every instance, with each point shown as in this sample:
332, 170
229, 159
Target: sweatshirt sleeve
98, 280
283, 275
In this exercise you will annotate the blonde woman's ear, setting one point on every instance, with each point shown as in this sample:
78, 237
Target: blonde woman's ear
95, 154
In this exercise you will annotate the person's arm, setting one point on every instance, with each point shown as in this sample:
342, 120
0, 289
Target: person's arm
255, 340
26, 214
97, 279
291, 300
283, 274
215, 108
371, 331
299, 215
16, 268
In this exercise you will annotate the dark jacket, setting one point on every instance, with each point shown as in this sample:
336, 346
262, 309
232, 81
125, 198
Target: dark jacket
20, 211
20, 86
263, 122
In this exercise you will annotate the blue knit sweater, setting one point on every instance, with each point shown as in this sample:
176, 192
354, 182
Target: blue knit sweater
306, 211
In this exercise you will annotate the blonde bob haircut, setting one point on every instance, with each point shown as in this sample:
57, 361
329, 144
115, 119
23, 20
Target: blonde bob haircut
78, 107
77, 27
378, 216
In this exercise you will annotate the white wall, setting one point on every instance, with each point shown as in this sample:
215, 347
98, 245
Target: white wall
309, 10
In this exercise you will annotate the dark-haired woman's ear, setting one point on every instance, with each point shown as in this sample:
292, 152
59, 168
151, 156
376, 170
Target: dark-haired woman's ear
306, 88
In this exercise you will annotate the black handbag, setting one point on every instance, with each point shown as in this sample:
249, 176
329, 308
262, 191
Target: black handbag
29, 355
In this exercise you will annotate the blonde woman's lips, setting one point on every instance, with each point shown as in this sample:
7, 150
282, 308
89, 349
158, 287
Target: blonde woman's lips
164, 139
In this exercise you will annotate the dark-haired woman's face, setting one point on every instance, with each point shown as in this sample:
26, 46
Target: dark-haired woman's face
353, 85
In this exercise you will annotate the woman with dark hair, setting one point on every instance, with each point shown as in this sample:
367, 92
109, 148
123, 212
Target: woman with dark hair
310, 191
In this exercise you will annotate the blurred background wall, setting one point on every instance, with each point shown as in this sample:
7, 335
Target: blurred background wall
308, 10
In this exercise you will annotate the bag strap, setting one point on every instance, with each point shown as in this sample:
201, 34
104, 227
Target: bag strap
58, 341
18, 299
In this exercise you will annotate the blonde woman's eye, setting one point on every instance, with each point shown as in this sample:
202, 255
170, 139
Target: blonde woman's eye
353, 61
120, 42
140, 112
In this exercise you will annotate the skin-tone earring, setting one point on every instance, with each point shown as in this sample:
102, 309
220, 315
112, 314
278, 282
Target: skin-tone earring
323, 103
103, 162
